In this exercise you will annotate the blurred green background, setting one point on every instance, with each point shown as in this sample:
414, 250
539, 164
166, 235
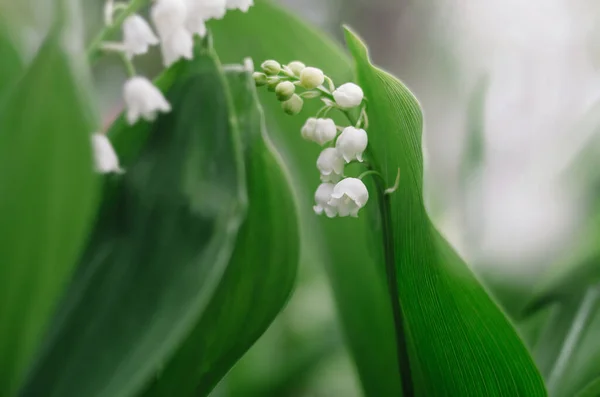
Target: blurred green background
510, 93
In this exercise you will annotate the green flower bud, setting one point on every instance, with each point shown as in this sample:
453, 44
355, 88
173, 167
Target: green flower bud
293, 105
272, 83
311, 78
285, 90
296, 67
271, 67
259, 78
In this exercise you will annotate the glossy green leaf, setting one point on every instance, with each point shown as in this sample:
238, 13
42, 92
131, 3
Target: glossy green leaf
349, 249
460, 343
591, 390
261, 273
47, 203
162, 241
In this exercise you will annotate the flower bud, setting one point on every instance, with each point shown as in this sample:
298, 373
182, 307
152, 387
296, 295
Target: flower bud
285, 90
311, 78
349, 196
351, 144
330, 165
296, 67
293, 105
272, 83
322, 198
348, 95
271, 67
320, 131
259, 78
105, 157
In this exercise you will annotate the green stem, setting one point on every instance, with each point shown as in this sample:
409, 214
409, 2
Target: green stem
95, 49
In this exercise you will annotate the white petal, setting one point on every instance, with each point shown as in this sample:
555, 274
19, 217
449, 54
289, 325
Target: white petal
105, 158
348, 95
242, 5
137, 35
351, 143
207, 9
179, 45
143, 99
168, 16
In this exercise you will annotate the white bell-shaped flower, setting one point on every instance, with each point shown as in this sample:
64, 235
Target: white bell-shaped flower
143, 100
330, 165
169, 16
180, 44
311, 77
348, 95
105, 158
137, 36
320, 131
242, 5
322, 198
349, 196
351, 143
206, 9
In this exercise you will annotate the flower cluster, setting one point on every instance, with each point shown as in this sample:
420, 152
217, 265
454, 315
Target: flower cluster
176, 22
337, 195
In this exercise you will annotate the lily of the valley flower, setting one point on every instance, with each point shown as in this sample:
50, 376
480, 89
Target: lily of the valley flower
348, 95
180, 44
349, 196
206, 9
137, 36
105, 158
169, 16
351, 144
242, 5
143, 100
296, 67
322, 198
311, 77
330, 165
320, 131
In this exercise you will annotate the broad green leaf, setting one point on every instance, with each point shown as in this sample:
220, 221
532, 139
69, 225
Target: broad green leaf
161, 243
343, 246
261, 272
591, 390
11, 62
47, 203
459, 342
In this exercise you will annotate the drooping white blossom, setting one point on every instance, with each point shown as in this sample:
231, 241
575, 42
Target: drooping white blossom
143, 100
242, 5
349, 196
137, 36
351, 144
320, 131
348, 95
105, 158
180, 44
206, 9
169, 16
322, 198
330, 165
311, 77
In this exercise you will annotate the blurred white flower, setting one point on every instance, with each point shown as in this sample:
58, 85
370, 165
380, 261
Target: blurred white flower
137, 36
296, 67
242, 5
105, 158
311, 77
180, 44
206, 9
351, 143
142, 99
320, 131
322, 197
169, 16
349, 196
330, 165
348, 95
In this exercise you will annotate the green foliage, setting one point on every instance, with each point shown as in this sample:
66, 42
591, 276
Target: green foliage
591, 390
260, 275
48, 203
160, 246
11, 65
349, 249
460, 343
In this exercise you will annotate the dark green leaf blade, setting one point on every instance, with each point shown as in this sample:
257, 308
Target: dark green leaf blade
161, 244
261, 273
591, 390
11, 62
47, 203
344, 247
460, 343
